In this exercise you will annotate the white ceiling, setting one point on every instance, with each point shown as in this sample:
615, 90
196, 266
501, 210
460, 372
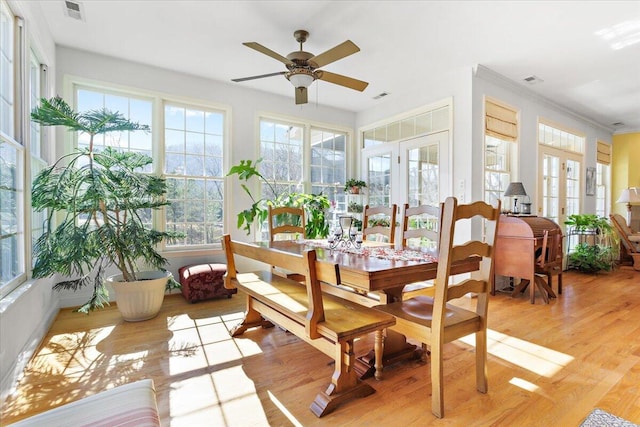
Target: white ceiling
587, 52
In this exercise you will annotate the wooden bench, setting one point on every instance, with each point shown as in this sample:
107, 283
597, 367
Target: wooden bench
327, 322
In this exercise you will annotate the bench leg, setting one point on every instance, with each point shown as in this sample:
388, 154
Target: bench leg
251, 319
345, 384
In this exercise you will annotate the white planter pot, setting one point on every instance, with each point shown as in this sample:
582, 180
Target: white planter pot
143, 299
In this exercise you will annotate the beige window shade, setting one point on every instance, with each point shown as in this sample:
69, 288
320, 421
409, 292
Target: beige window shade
604, 153
501, 122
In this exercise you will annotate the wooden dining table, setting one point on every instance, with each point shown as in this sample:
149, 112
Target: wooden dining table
372, 280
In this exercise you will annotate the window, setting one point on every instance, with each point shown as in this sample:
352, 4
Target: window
281, 150
7, 58
560, 176
501, 133
603, 178
37, 89
133, 108
328, 173
12, 155
195, 173
191, 147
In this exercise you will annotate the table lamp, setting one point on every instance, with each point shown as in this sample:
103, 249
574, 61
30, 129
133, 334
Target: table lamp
514, 190
628, 196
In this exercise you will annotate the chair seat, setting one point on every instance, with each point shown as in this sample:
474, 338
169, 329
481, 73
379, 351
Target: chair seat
419, 310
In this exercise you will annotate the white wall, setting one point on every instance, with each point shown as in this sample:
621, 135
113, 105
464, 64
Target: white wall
27, 313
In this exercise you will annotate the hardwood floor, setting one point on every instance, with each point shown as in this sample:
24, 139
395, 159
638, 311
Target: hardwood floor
548, 365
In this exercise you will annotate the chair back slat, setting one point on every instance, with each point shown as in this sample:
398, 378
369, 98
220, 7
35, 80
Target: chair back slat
431, 213
551, 250
296, 224
469, 285
469, 249
389, 231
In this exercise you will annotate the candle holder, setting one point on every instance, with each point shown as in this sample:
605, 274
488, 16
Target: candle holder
339, 238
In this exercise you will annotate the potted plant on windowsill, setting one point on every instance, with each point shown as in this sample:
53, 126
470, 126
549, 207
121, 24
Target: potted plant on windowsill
354, 186
99, 204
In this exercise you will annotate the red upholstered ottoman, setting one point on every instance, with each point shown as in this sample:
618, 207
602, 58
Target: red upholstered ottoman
204, 281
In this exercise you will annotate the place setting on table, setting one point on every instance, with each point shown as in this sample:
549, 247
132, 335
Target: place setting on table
345, 238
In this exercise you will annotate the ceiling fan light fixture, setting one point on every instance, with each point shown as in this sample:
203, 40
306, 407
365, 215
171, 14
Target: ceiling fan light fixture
301, 79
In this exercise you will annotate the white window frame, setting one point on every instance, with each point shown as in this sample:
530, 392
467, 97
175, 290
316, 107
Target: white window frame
158, 101
305, 184
12, 135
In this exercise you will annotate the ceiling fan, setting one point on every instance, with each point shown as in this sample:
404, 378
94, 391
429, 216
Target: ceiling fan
303, 66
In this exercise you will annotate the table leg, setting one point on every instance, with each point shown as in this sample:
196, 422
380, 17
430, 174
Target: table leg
396, 347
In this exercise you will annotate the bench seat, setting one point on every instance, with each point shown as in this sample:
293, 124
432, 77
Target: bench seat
327, 322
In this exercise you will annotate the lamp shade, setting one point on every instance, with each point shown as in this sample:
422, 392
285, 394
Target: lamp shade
301, 80
629, 195
515, 189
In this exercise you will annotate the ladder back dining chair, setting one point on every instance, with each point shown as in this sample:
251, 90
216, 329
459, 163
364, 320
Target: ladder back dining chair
435, 320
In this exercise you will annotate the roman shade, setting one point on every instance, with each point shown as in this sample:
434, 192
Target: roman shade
604, 153
500, 122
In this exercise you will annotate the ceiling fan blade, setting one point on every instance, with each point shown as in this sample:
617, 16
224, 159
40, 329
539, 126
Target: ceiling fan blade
269, 52
338, 52
301, 95
341, 80
242, 79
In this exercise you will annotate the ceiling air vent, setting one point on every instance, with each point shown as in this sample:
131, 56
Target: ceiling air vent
532, 80
74, 10
381, 95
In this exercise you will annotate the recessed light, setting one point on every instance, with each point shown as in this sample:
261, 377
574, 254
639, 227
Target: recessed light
532, 80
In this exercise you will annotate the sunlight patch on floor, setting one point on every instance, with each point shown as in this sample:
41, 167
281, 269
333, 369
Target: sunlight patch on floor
524, 384
222, 398
284, 410
527, 355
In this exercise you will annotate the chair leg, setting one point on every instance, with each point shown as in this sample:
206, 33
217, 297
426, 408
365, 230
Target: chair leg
542, 286
437, 392
560, 284
481, 361
522, 286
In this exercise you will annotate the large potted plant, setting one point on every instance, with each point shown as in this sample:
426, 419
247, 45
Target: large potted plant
99, 204
315, 205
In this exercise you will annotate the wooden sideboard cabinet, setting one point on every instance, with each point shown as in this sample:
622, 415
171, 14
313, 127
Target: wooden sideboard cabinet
519, 237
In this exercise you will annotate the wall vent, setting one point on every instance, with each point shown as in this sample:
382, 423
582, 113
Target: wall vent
532, 80
381, 95
74, 9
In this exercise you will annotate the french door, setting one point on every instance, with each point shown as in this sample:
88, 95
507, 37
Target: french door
414, 171
559, 181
